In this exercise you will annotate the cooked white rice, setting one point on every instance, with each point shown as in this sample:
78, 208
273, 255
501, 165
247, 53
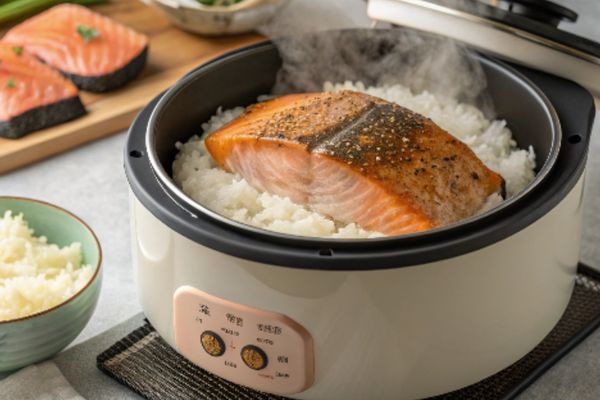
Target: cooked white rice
35, 275
197, 175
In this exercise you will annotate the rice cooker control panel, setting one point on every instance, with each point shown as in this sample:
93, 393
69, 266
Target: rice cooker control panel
260, 349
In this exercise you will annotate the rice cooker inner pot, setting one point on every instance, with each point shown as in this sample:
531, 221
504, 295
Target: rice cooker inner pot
177, 115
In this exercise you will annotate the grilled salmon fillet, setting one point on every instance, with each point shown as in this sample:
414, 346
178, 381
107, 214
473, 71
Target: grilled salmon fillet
32, 95
95, 52
356, 158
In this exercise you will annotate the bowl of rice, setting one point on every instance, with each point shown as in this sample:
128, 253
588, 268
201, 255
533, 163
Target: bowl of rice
50, 280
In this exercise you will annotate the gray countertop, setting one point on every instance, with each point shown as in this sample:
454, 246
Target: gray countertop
90, 182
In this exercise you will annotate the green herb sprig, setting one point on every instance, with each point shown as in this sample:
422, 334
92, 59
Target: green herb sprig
87, 33
18, 50
11, 83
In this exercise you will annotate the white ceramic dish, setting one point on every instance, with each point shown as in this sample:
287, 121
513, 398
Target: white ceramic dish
220, 20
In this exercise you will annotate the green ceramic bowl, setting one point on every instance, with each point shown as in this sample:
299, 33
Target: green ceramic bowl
39, 336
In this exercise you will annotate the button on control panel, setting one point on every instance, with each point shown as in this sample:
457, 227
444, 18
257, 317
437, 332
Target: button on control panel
260, 349
212, 343
254, 357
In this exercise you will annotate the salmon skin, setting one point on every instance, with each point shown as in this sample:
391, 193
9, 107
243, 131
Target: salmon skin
356, 158
32, 95
95, 52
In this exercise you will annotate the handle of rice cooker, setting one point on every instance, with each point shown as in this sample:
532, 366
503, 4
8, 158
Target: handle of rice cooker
569, 100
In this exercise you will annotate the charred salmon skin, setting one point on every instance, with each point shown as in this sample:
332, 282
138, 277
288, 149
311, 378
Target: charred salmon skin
32, 95
356, 158
95, 52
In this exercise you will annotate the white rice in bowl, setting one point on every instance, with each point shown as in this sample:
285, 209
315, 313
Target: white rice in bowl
35, 275
195, 172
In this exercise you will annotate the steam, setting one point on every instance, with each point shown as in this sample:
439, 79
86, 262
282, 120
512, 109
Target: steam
313, 54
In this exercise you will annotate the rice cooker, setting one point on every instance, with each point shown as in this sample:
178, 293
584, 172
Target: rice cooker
402, 317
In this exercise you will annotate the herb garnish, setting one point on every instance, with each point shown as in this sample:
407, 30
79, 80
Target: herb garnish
11, 84
18, 50
87, 33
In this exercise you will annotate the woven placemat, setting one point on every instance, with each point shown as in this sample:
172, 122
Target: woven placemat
148, 365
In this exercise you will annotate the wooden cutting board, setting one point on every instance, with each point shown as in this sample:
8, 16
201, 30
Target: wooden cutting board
172, 53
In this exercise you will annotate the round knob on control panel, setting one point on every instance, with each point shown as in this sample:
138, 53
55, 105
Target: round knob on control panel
254, 357
212, 343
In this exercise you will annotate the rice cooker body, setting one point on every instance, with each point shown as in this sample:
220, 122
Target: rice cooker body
404, 333
400, 320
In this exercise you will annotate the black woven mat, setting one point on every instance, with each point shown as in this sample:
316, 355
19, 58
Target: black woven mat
148, 365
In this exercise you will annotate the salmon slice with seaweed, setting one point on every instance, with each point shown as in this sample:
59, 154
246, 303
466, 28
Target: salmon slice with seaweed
32, 95
95, 52
356, 158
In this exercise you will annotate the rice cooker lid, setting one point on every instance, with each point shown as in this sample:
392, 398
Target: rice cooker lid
575, 109
506, 28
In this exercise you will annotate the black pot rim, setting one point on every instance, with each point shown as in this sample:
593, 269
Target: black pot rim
302, 252
197, 208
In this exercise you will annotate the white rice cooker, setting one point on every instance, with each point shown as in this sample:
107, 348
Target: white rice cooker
389, 318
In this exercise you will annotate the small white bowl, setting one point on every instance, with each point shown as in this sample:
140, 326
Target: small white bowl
220, 20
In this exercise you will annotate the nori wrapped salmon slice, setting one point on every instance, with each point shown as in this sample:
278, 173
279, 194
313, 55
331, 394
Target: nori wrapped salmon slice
32, 95
95, 52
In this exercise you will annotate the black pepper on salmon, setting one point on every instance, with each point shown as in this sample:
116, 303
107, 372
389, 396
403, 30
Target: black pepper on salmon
356, 158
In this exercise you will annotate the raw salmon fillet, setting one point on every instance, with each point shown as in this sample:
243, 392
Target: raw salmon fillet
95, 52
32, 95
356, 158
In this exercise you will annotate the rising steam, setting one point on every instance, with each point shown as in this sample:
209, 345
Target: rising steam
312, 54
